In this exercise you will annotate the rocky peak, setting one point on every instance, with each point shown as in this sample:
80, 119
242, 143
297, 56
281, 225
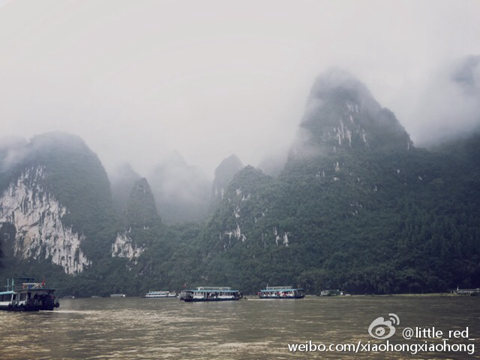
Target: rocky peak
55, 192
342, 115
37, 217
122, 179
224, 173
59, 140
141, 209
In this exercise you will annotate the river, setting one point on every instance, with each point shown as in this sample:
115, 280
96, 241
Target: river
137, 328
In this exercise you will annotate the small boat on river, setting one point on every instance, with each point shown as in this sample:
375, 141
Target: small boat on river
210, 294
118, 295
160, 294
281, 292
24, 294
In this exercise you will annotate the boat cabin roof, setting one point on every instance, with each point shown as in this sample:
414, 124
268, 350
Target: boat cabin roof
7, 292
213, 290
278, 288
35, 289
210, 288
26, 290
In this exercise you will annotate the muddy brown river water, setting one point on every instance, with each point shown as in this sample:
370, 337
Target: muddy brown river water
137, 328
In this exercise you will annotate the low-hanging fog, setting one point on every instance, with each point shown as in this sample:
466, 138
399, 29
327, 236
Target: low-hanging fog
140, 80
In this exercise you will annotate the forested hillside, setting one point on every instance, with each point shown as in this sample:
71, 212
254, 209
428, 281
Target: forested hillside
357, 207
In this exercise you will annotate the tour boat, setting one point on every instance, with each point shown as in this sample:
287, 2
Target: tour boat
27, 295
160, 294
281, 292
210, 294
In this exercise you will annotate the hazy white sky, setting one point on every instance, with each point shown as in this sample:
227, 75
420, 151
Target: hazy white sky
138, 79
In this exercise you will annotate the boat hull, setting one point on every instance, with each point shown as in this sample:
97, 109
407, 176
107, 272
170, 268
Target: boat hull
282, 297
51, 305
202, 294
205, 300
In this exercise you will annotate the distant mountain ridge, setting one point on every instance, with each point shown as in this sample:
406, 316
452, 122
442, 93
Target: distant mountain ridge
356, 207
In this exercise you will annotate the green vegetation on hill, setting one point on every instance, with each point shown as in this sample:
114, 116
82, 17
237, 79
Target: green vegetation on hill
356, 207
380, 222
76, 177
383, 223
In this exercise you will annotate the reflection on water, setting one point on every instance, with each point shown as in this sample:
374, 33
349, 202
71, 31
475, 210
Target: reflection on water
135, 328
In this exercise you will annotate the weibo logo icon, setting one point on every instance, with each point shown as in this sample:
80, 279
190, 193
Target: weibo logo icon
382, 328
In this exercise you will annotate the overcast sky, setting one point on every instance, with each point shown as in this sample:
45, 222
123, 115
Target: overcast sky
138, 79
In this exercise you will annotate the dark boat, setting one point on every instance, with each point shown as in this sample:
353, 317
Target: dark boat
281, 292
24, 294
210, 294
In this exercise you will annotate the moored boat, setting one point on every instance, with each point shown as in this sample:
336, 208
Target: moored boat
160, 294
281, 292
24, 294
210, 294
335, 292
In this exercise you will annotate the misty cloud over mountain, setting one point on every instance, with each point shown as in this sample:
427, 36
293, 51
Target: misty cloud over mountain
182, 191
160, 76
449, 107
